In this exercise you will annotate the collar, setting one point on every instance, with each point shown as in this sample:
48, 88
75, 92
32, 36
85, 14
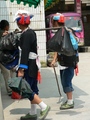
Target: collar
25, 30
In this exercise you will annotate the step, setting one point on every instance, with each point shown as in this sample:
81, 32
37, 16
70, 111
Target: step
84, 49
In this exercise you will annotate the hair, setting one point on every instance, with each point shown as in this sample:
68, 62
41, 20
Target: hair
3, 24
59, 24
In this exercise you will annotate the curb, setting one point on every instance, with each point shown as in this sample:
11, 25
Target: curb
1, 108
84, 49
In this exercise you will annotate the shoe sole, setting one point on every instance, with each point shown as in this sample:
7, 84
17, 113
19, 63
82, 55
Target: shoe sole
66, 108
45, 115
28, 118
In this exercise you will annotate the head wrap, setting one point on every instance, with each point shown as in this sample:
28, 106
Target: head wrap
59, 17
23, 17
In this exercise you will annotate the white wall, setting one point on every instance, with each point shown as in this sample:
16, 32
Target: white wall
8, 10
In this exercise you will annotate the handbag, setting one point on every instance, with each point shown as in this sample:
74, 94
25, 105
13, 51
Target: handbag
61, 43
21, 86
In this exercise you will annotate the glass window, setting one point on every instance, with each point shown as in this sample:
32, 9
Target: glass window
74, 23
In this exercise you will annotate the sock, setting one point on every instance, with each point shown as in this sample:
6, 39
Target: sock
33, 110
42, 105
70, 101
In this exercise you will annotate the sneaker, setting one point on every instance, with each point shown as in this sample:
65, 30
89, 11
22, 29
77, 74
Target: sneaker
44, 113
65, 106
29, 117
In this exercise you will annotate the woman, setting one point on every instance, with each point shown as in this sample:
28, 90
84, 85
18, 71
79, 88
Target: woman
66, 71
7, 74
28, 67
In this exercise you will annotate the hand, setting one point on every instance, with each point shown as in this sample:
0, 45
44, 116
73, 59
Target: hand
5, 33
20, 73
53, 63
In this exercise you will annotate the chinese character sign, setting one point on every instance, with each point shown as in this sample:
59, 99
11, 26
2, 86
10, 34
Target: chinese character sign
78, 6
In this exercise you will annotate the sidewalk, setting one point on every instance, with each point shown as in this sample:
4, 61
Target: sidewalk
14, 109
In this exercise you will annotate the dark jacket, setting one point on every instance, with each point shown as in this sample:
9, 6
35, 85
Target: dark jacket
1, 33
28, 43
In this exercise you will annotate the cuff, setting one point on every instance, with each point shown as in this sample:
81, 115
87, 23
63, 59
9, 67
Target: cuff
23, 66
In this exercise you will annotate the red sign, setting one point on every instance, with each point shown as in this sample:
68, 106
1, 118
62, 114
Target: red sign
78, 6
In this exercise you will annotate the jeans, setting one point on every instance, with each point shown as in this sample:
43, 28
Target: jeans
66, 79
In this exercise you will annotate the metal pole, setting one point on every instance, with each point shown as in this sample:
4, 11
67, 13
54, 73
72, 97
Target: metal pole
42, 29
1, 108
57, 81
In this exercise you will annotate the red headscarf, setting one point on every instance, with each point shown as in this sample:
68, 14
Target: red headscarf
23, 17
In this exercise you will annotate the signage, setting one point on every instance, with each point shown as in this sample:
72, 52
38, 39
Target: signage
78, 6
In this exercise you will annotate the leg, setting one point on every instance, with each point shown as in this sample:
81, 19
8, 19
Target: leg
35, 99
6, 75
67, 87
69, 95
12, 73
67, 76
33, 84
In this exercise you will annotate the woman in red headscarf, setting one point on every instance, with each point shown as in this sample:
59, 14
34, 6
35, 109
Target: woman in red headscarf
67, 65
28, 67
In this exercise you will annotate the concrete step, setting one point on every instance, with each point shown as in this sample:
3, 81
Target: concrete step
84, 49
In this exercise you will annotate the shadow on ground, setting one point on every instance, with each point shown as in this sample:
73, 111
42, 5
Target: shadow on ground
48, 89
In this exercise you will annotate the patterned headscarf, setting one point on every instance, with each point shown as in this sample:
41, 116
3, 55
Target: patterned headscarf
59, 17
23, 17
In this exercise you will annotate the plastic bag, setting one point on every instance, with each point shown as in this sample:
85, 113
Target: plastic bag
9, 58
9, 41
61, 43
73, 41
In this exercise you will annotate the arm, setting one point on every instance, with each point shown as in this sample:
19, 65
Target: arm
3, 33
54, 59
26, 43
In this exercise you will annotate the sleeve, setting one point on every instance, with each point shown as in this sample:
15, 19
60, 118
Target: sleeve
1, 33
27, 40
